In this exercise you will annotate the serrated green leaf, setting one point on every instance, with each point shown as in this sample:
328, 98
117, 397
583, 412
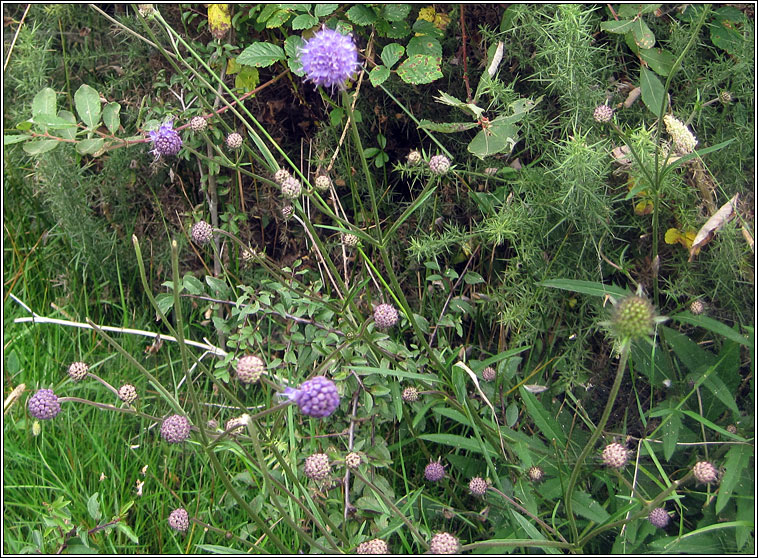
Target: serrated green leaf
90, 146
396, 12
620, 26
277, 19
40, 146
261, 55
304, 21
660, 61
419, 69
392, 53
322, 10
652, 90
361, 15
126, 530
292, 46
629, 11
93, 506
424, 45
10, 139
378, 75
111, 117
217, 285
496, 138
44, 102
87, 102
193, 284
393, 29
68, 133
643, 36
267, 11
247, 78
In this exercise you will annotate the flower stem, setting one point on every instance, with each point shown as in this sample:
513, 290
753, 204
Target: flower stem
625, 348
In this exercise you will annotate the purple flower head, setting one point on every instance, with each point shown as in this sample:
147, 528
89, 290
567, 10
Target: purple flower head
316, 397
44, 405
329, 58
166, 140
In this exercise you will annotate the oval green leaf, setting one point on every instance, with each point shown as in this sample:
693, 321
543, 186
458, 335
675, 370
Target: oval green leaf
261, 55
111, 117
87, 101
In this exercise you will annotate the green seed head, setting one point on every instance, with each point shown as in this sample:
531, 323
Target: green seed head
633, 317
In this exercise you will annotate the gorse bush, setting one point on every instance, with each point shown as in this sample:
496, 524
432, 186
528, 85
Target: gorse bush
444, 279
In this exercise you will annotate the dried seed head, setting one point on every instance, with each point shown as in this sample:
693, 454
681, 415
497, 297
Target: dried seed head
697, 307
198, 124
249, 369
291, 188
659, 517
725, 97
536, 474
77, 371
410, 394
633, 317
434, 472
489, 374
127, 393
385, 316
477, 486
237, 425
603, 113
175, 429
281, 175
705, 472
179, 519
317, 467
234, 141
201, 233
349, 240
248, 255
414, 157
615, 455
352, 460
444, 543
322, 182
439, 164
732, 429
44, 405
375, 546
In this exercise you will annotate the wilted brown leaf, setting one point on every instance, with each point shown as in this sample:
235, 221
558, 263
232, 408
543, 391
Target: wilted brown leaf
717, 220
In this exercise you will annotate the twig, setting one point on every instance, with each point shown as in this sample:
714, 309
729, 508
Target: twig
37, 319
465, 64
13, 42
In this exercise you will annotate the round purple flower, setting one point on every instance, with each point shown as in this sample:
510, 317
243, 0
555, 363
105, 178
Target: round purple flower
179, 519
44, 405
166, 140
175, 429
434, 472
659, 517
385, 316
329, 58
316, 397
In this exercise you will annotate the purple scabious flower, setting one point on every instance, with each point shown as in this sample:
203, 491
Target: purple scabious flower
166, 140
329, 58
316, 397
44, 404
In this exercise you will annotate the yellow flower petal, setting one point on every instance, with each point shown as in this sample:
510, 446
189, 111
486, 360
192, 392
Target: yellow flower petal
672, 236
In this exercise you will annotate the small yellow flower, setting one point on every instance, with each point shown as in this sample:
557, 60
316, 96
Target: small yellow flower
674, 235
